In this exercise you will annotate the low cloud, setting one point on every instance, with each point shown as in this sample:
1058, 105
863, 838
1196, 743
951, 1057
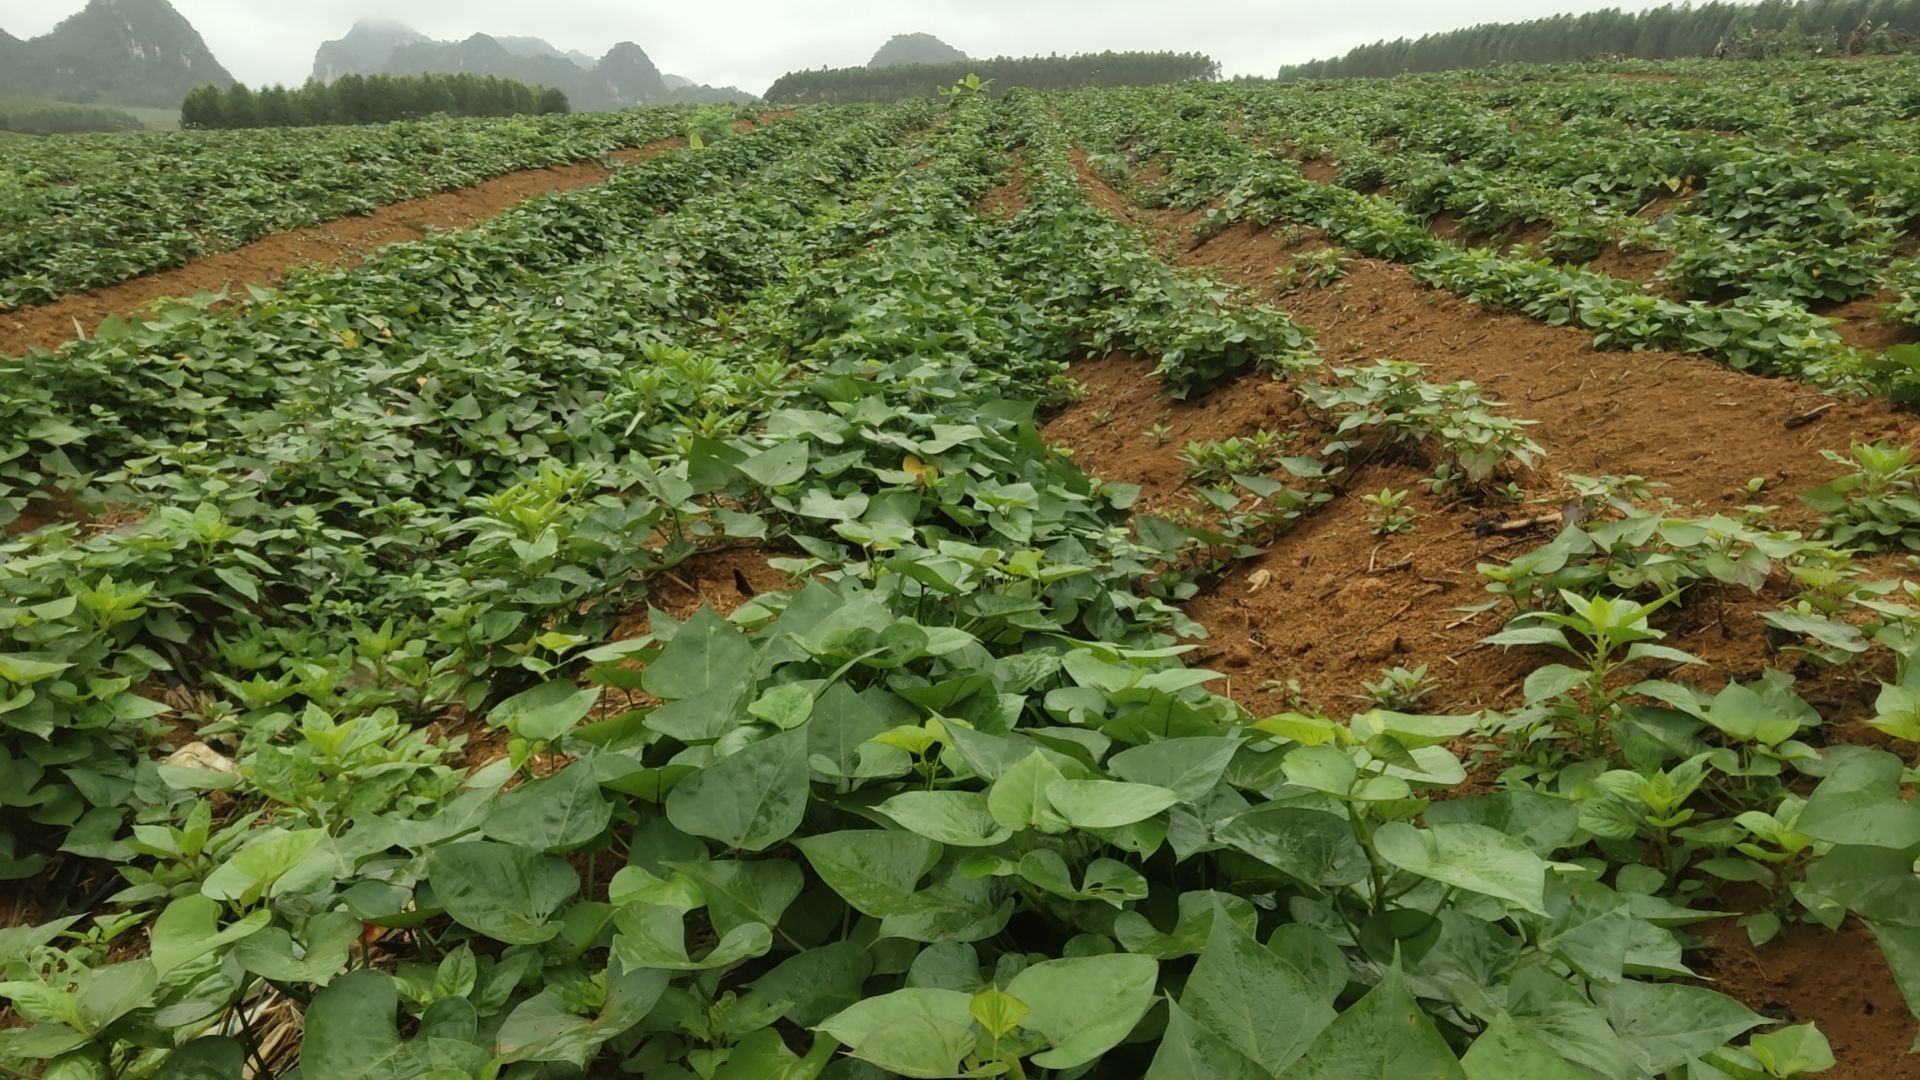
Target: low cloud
749, 43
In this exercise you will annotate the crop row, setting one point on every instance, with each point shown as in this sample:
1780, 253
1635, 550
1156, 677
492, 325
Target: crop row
1594, 595
1771, 220
357, 411
952, 805
1812, 103
85, 212
1752, 332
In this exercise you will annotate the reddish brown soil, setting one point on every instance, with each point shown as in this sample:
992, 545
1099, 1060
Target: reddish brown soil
1102, 193
1448, 226
1332, 604
1837, 981
1110, 432
1637, 264
1662, 205
1527, 235
344, 242
1859, 324
1329, 604
1322, 171
1009, 198
1701, 428
723, 579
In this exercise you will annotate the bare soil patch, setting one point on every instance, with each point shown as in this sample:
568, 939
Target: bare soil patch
1110, 432
723, 579
1102, 193
1448, 226
1330, 605
1631, 264
1321, 171
1662, 205
1836, 980
1010, 198
1859, 324
1701, 428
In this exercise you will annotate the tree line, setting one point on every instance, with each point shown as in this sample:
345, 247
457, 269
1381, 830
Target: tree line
1768, 28
898, 82
367, 99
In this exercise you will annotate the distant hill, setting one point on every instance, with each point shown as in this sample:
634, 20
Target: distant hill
533, 46
916, 49
624, 76
620, 80
365, 50
128, 52
628, 76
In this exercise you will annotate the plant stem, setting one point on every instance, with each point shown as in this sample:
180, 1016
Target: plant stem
1364, 837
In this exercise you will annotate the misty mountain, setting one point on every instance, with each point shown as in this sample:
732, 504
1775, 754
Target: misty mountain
915, 49
624, 76
365, 50
128, 52
533, 46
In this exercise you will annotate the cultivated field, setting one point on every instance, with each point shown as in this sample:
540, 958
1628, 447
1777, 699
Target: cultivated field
1215, 581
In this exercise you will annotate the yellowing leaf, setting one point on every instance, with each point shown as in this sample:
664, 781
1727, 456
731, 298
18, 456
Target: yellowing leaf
921, 471
1305, 730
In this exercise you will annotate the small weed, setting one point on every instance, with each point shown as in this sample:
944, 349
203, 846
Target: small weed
1066, 390
1290, 693
1312, 269
1400, 689
1390, 515
1238, 456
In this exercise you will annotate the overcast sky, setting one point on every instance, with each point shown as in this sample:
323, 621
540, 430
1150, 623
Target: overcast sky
749, 43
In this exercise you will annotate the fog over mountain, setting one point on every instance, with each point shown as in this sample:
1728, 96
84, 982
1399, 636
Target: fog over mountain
127, 52
750, 43
624, 76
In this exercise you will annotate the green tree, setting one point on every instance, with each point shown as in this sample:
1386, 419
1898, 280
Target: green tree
369, 99
241, 108
276, 107
204, 107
